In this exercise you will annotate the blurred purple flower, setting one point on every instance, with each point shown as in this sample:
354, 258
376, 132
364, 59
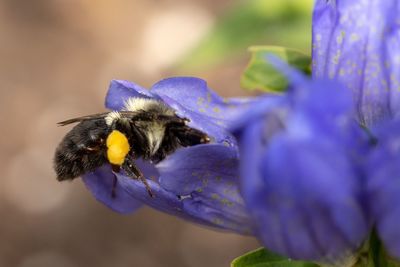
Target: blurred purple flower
383, 169
300, 171
358, 43
198, 183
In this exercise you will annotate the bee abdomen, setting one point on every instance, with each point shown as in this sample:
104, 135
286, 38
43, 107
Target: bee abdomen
80, 151
66, 167
70, 165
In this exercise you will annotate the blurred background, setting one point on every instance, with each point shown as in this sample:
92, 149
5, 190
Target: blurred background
57, 58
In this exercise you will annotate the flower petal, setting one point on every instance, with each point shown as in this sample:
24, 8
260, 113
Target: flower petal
182, 176
194, 95
358, 43
190, 92
210, 176
298, 207
218, 207
312, 105
188, 208
325, 108
120, 90
99, 183
383, 169
299, 177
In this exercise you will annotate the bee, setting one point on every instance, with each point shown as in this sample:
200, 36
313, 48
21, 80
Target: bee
146, 128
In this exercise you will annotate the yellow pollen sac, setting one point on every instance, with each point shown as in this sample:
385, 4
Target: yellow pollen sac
117, 147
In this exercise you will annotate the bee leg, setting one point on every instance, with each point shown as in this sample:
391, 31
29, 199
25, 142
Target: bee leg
133, 171
90, 149
116, 169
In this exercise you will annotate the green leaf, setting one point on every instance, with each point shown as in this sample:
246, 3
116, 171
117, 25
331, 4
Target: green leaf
249, 22
264, 258
262, 75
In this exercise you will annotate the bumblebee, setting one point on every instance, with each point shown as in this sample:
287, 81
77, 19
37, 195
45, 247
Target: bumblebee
145, 128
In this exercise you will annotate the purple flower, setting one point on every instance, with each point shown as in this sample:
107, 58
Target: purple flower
198, 183
383, 168
358, 43
300, 173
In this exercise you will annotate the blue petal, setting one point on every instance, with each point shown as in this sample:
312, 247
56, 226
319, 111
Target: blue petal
210, 177
194, 95
99, 183
300, 180
258, 108
358, 43
318, 97
325, 107
210, 166
383, 169
299, 208
221, 206
189, 208
119, 91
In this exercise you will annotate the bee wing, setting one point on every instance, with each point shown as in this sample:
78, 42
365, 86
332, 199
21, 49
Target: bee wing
84, 118
125, 114
133, 115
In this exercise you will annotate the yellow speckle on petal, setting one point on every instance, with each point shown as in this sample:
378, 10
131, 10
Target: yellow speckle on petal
226, 202
214, 196
354, 37
217, 221
216, 110
208, 97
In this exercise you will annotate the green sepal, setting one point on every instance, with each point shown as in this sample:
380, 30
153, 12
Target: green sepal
378, 255
262, 75
264, 258
373, 254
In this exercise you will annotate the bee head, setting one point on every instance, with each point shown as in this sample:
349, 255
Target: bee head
117, 147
